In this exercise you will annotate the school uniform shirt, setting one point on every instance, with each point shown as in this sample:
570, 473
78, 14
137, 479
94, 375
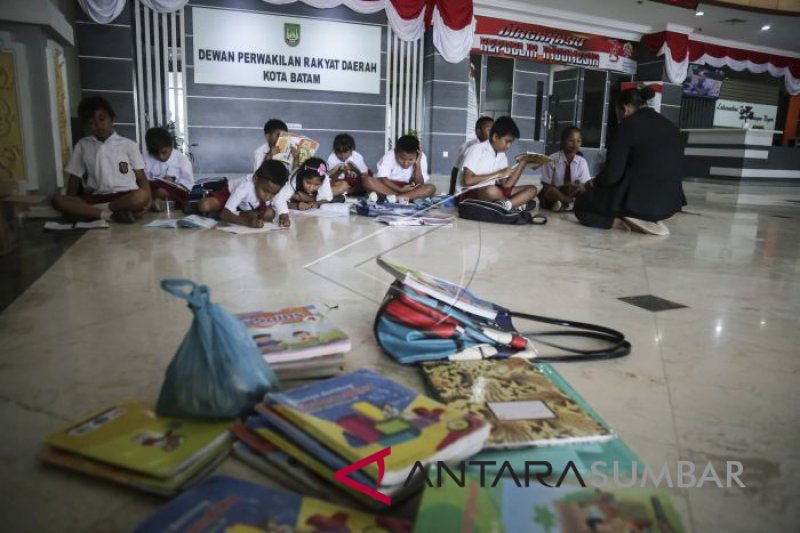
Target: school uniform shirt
243, 196
463, 151
553, 173
481, 159
178, 166
259, 155
108, 164
355, 158
389, 168
281, 200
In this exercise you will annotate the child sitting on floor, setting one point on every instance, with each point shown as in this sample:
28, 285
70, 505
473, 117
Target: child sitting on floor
565, 178
402, 173
485, 174
107, 178
272, 132
482, 128
247, 200
168, 170
345, 166
309, 188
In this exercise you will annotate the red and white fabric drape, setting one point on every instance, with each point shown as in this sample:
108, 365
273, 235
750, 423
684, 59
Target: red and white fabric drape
452, 22
679, 50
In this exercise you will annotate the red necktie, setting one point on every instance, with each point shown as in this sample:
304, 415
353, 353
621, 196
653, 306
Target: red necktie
568, 173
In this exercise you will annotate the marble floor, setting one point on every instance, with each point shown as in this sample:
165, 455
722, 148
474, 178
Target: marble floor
716, 381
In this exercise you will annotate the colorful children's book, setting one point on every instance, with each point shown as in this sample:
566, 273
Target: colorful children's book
524, 406
361, 413
305, 148
313, 368
132, 436
440, 289
223, 502
508, 508
163, 487
295, 333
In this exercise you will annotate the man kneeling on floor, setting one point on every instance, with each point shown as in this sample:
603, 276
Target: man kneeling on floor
115, 186
485, 173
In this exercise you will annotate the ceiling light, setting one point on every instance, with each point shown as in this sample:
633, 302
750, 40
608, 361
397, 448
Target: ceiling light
765, 27
700, 13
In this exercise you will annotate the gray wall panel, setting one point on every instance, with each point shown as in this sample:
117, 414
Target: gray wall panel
251, 113
449, 94
448, 121
525, 126
129, 132
672, 94
104, 40
525, 82
106, 74
531, 66
444, 71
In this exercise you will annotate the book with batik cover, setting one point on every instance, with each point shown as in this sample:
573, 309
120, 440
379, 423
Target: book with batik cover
524, 406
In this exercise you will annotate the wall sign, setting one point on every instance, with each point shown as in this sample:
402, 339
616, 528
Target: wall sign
733, 114
259, 50
540, 43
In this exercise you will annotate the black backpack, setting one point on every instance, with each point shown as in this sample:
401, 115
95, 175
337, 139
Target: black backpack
483, 211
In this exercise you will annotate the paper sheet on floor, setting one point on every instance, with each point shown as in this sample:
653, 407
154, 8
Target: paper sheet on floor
245, 230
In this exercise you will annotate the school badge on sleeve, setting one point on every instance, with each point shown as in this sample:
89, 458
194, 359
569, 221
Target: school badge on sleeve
123, 167
291, 33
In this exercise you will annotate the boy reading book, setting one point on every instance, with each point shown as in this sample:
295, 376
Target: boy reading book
402, 173
272, 132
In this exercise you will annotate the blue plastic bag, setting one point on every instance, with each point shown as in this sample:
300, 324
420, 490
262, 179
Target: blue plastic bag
218, 371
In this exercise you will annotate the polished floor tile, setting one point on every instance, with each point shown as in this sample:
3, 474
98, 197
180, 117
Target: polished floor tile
714, 382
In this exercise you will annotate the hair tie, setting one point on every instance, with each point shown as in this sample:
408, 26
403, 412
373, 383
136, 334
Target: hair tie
321, 170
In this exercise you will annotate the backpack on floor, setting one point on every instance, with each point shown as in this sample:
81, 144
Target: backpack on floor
367, 208
423, 318
483, 211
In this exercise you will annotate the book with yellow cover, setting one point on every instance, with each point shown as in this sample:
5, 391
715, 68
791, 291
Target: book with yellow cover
304, 146
163, 487
358, 414
524, 406
132, 436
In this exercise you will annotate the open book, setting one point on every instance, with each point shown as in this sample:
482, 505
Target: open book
58, 226
192, 221
305, 148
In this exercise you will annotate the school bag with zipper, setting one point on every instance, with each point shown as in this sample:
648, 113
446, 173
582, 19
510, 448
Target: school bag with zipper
423, 318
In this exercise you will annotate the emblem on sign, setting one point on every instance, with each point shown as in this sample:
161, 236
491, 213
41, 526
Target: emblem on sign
291, 34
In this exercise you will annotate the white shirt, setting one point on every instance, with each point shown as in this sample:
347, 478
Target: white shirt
355, 158
259, 155
481, 159
281, 201
389, 168
243, 196
553, 173
177, 166
463, 151
108, 165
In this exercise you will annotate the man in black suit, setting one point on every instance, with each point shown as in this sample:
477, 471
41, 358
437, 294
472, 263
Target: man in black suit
641, 183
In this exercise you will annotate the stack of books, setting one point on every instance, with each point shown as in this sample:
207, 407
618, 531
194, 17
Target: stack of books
329, 425
298, 342
236, 506
129, 444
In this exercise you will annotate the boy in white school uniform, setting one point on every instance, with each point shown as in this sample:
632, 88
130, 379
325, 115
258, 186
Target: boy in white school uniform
482, 127
107, 179
402, 173
485, 174
169, 171
346, 166
272, 131
248, 200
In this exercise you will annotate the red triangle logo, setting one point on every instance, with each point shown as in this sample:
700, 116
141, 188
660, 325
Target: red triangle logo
377, 457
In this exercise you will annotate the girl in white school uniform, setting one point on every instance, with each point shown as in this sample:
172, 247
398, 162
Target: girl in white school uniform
309, 188
567, 176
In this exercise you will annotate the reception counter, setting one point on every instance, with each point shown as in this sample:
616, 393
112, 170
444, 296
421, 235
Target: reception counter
739, 155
